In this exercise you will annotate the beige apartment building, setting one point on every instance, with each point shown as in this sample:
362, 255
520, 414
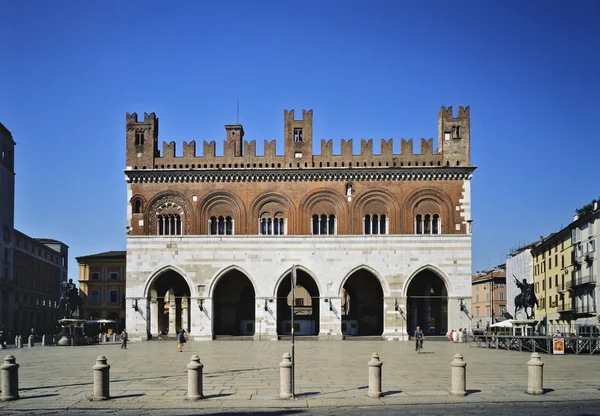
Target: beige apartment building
102, 286
552, 270
488, 297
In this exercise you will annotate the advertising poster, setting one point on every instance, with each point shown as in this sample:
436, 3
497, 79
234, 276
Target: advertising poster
558, 346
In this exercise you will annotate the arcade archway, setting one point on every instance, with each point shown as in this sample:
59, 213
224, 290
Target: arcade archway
233, 305
171, 295
306, 305
427, 300
362, 305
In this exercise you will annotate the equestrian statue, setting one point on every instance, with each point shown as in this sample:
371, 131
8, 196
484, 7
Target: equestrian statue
526, 299
70, 301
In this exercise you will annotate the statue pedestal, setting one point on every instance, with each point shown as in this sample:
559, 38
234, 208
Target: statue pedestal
72, 331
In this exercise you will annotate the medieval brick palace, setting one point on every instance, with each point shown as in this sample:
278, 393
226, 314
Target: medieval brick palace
381, 242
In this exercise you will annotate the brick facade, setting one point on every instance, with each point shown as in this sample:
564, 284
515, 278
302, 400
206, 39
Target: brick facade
193, 218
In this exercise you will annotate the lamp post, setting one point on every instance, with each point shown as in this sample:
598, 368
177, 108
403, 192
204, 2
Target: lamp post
492, 296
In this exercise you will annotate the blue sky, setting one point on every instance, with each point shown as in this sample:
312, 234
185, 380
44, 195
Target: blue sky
529, 70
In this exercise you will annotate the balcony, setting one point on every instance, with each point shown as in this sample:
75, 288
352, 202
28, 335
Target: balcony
585, 309
590, 279
565, 307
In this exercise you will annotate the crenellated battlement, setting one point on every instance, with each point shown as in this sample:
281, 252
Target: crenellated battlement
453, 147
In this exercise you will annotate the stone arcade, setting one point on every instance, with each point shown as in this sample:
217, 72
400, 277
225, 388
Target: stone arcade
382, 242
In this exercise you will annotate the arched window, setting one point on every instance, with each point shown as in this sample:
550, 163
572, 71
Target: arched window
435, 225
428, 224
323, 224
272, 226
168, 224
220, 225
419, 224
137, 206
375, 224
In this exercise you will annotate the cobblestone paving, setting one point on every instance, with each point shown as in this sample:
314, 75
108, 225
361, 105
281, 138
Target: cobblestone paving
245, 374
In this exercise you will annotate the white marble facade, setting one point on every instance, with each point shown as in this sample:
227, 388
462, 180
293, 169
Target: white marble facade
394, 260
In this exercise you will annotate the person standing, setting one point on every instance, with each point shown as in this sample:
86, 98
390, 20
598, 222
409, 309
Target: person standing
160, 337
180, 340
124, 339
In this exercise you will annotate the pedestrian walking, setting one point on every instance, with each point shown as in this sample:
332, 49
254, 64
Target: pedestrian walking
180, 340
160, 334
124, 336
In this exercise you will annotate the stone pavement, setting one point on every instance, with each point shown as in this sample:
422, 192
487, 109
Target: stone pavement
245, 374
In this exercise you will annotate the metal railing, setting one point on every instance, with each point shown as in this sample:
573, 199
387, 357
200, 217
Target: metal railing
585, 308
577, 345
565, 306
584, 280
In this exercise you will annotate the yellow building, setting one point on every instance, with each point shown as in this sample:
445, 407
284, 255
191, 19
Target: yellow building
552, 271
102, 286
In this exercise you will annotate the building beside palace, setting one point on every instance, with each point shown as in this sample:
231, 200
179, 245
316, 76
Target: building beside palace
552, 270
519, 266
32, 269
381, 242
488, 303
102, 286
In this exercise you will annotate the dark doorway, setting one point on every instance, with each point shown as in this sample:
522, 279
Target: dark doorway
428, 304
171, 284
233, 305
362, 305
306, 307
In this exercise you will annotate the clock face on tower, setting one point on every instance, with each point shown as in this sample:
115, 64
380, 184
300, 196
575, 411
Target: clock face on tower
6, 234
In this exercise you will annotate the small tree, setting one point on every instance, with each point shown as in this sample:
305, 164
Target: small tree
585, 209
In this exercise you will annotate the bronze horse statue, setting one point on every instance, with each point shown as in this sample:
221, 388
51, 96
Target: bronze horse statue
526, 299
70, 301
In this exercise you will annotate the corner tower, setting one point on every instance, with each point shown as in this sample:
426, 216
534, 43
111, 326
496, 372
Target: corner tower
454, 136
142, 141
297, 136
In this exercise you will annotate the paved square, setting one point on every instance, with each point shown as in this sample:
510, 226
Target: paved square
153, 375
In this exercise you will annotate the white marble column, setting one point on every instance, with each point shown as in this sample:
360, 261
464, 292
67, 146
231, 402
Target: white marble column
184, 313
153, 313
172, 313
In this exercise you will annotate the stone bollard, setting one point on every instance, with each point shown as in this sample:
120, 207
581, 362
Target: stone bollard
30, 341
374, 376
101, 379
195, 378
535, 379
10, 379
285, 377
20, 341
459, 376
43, 340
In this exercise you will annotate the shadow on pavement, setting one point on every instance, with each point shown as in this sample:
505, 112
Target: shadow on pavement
473, 391
125, 396
389, 393
38, 396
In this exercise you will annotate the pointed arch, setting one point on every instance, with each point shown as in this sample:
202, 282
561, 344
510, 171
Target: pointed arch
384, 284
153, 276
429, 267
288, 271
223, 272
